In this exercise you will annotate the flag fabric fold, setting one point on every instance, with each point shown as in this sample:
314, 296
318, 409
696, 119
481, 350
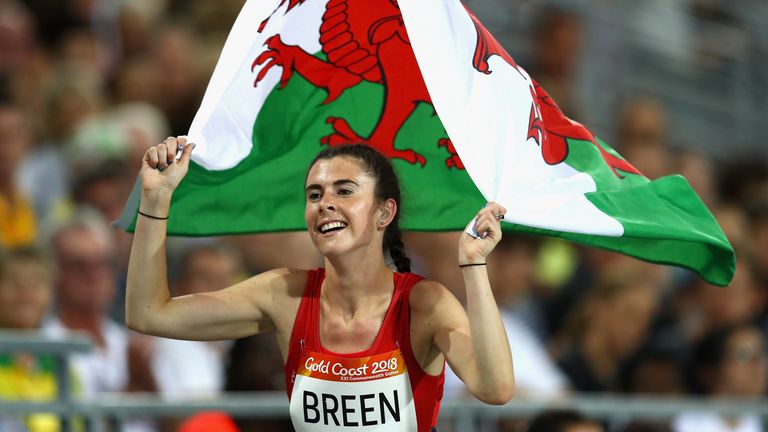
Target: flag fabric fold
426, 84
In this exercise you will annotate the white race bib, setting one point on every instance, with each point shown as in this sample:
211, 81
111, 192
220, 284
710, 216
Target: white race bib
343, 394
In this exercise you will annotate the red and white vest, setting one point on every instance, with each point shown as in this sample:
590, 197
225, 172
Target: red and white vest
382, 388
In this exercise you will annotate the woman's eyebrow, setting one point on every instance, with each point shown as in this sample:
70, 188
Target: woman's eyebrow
345, 181
337, 183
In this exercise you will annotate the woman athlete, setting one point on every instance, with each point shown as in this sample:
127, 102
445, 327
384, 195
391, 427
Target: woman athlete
364, 347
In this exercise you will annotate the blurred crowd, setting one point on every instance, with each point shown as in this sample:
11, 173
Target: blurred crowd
87, 85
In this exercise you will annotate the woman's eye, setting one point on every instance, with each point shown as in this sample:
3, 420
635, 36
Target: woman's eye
344, 192
313, 196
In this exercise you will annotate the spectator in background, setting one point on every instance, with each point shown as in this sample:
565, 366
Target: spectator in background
607, 327
25, 295
656, 370
85, 286
17, 37
563, 421
181, 84
17, 216
557, 44
728, 362
698, 169
642, 133
759, 235
193, 369
254, 364
737, 227
76, 95
511, 272
701, 308
104, 187
274, 250
433, 257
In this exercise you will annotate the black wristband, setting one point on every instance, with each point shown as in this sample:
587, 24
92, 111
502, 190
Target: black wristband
151, 216
470, 265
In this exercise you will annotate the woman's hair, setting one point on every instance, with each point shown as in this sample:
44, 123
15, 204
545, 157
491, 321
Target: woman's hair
387, 187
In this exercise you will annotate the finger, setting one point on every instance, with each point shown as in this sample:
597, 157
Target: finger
483, 228
493, 224
181, 141
488, 221
172, 145
162, 155
487, 215
151, 157
186, 155
494, 209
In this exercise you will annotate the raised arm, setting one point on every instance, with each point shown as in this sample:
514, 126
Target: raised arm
233, 312
474, 341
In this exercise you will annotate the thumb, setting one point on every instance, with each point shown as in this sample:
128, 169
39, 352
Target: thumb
186, 155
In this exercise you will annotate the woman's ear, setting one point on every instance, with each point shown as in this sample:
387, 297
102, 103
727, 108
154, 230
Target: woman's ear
387, 212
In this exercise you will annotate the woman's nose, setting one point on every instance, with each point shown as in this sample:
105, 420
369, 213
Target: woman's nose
327, 204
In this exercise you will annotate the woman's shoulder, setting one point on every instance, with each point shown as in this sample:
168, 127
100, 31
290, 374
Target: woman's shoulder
427, 293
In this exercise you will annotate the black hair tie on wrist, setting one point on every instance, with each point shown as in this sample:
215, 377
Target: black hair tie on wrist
471, 265
152, 216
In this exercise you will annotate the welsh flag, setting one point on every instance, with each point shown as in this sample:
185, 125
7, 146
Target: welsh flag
426, 84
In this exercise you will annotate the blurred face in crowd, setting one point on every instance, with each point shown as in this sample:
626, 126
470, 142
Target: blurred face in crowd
86, 277
642, 132
107, 195
744, 367
559, 44
17, 36
511, 270
736, 226
699, 171
624, 317
209, 270
738, 302
25, 293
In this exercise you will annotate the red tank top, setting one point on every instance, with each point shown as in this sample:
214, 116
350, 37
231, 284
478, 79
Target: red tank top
382, 388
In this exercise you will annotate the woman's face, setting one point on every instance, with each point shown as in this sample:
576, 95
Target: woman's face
341, 208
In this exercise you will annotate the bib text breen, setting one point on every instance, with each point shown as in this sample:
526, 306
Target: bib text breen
350, 410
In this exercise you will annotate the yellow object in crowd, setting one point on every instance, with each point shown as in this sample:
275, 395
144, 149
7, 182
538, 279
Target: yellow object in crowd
17, 222
30, 378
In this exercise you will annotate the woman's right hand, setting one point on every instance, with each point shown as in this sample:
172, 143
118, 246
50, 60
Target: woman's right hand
160, 171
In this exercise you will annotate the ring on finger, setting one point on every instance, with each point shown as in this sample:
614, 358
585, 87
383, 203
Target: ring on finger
499, 216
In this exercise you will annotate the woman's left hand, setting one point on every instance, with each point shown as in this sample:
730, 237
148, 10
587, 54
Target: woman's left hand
474, 250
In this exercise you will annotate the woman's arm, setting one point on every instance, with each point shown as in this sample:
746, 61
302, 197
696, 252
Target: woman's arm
474, 341
233, 312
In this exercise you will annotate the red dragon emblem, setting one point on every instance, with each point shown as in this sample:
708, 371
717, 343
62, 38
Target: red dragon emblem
363, 40
547, 125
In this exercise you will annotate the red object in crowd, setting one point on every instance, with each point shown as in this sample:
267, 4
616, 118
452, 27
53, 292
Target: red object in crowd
209, 422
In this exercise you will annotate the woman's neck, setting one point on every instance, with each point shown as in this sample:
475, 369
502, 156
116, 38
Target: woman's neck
352, 282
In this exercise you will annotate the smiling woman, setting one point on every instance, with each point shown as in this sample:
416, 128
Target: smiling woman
364, 346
